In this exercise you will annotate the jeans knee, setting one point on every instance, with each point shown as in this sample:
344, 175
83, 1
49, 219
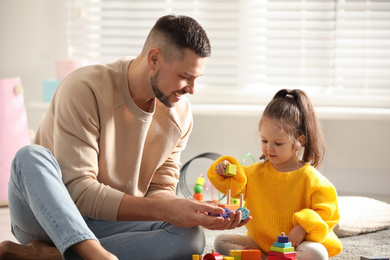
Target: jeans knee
198, 240
34, 159
191, 240
30, 153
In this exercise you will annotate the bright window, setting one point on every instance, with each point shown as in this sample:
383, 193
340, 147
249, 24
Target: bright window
337, 51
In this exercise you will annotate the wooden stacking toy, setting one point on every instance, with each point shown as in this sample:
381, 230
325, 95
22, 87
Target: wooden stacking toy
213, 256
282, 249
198, 188
234, 207
248, 254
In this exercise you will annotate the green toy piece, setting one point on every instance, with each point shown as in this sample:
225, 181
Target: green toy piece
230, 170
198, 188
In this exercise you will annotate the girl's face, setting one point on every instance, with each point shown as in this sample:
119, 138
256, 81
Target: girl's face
278, 147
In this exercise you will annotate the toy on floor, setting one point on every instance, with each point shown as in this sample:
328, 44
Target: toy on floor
200, 185
282, 249
224, 257
212, 256
248, 254
198, 188
197, 257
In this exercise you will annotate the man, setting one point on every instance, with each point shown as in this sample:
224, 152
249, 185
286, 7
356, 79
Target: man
114, 134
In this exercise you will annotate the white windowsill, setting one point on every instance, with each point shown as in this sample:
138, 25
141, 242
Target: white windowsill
345, 113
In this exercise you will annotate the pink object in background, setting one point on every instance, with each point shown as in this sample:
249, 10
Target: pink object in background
64, 67
13, 129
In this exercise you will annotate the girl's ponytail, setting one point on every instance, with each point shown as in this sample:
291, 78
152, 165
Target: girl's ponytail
314, 138
295, 111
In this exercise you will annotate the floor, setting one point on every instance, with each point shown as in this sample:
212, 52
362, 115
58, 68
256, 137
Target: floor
5, 223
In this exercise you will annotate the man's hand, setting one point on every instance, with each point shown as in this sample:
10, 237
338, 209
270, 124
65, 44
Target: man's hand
234, 221
296, 235
180, 212
189, 213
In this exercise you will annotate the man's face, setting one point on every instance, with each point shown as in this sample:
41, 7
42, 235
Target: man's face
173, 80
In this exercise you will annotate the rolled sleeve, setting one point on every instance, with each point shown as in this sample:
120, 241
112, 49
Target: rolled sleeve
235, 183
76, 147
323, 215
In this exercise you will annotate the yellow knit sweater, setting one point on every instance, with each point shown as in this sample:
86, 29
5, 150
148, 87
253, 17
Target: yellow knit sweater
278, 201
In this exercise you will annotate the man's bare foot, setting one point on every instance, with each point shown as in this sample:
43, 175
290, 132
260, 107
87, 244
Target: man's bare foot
92, 250
34, 251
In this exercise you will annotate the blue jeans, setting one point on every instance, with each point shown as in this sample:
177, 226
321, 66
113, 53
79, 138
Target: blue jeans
42, 209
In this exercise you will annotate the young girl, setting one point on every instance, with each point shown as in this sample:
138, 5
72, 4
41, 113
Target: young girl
284, 192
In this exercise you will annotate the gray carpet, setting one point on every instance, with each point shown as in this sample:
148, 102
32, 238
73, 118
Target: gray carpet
371, 244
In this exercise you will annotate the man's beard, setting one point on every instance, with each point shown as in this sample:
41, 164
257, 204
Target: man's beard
159, 95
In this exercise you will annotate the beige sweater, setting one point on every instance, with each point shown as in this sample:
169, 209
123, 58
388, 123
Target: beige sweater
106, 146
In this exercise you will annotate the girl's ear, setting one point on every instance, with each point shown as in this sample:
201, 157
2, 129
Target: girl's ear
300, 150
301, 139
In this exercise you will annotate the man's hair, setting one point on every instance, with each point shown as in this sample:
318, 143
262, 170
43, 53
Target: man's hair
172, 34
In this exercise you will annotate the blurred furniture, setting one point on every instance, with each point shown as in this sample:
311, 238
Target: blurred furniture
14, 132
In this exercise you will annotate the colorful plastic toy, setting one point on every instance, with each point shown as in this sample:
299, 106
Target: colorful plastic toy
234, 201
235, 207
249, 254
213, 256
282, 249
229, 206
198, 188
244, 211
230, 170
197, 257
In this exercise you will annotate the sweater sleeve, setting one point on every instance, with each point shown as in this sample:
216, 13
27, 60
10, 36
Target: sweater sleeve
319, 220
166, 177
235, 183
76, 135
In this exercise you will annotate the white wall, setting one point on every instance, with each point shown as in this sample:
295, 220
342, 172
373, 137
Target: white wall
33, 36
357, 159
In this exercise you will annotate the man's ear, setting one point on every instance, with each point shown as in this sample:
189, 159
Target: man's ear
154, 59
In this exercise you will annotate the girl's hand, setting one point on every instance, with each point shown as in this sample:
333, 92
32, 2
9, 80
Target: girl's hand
221, 167
296, 235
